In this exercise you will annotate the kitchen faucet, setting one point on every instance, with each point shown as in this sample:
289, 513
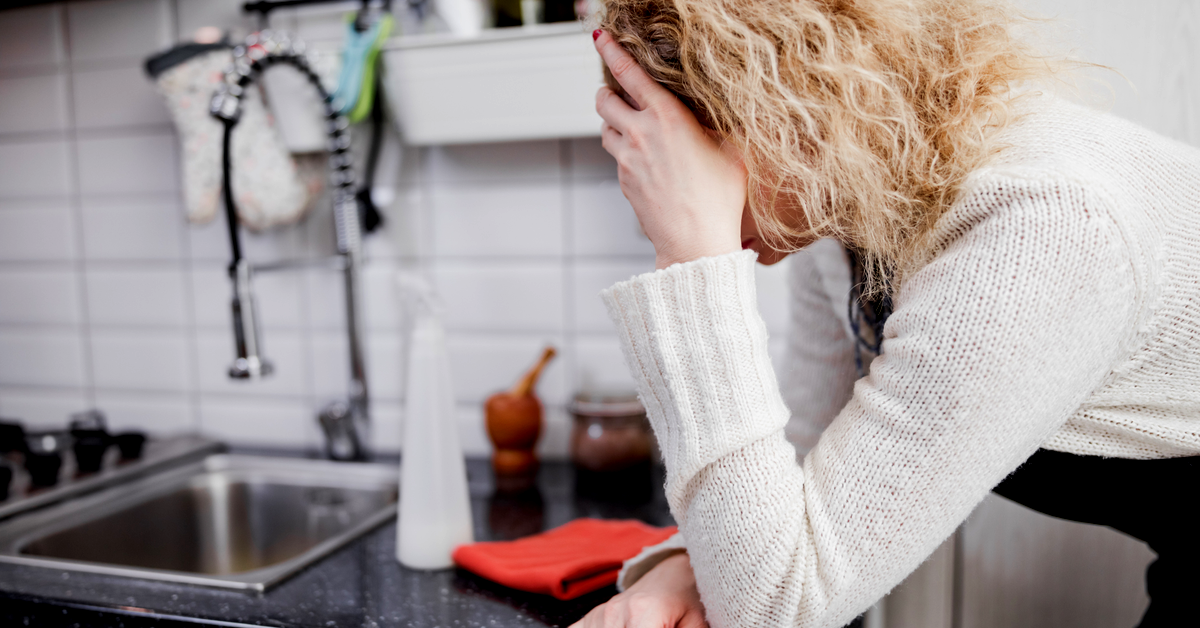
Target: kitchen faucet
346, 424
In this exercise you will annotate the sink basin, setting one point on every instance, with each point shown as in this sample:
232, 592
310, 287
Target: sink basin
233, 521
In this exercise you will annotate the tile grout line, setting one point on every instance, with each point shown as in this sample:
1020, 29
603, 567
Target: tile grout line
570, 324
76, 201
189, 294
108, 132
312, 435
98, 196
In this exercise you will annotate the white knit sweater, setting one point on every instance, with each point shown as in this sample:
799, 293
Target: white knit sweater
1062, 311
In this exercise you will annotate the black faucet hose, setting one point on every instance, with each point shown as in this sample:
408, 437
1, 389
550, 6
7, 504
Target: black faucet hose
231, 219
337, 128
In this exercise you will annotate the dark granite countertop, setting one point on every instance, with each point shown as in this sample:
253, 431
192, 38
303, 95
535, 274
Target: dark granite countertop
360, 585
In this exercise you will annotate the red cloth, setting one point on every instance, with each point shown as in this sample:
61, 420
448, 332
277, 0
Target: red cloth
566, 562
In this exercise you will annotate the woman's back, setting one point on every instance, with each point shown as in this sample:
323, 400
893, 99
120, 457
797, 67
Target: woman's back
1149, 186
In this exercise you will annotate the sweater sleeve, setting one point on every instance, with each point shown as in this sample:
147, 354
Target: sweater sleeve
991, 347
820, 369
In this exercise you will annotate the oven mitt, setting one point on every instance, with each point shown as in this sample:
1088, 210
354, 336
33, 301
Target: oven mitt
267, 187
566, 562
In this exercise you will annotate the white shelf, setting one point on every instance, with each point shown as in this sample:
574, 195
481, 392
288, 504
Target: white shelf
506, 84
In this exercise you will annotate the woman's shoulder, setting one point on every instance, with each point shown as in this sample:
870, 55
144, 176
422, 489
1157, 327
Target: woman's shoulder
1013, 242
1069, 169
1049, 137
999, 206
1041, 227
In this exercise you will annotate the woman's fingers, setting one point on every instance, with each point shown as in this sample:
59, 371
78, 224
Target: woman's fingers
607, 615
611, 139
693, 619
645, 90
644, 611
613, 109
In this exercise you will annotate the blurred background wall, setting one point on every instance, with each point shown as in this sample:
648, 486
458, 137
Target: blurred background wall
109, 299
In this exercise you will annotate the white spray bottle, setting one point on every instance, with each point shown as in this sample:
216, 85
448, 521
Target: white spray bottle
435, 508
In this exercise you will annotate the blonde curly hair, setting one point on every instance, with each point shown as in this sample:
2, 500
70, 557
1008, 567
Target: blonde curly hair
863, 117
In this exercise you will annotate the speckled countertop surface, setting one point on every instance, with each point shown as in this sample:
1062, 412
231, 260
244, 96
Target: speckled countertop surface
360, 585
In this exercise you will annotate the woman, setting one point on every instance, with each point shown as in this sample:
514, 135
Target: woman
1038, 261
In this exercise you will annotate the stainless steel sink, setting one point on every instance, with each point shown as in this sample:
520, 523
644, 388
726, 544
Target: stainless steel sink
232, 521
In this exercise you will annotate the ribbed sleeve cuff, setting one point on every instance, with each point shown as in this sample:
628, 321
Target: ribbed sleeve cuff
648, 559
695, 343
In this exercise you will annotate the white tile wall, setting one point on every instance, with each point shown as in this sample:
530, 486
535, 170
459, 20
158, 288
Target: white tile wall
386, 368
472, 433
128, 165
483, 364
109, 298
604, 224
502, 296
168, 413
41, 357
116, 97
280, 300
600, 364
139, 228
589, 161
382, 309
140, 360
36, 231
33, 103
210, 242
387, 425
496, 163
118, 30
326, 307
281, 422
590, 277
331, 369
502, 220
137, 297
32, 38
41, 408
35, 168
39, 297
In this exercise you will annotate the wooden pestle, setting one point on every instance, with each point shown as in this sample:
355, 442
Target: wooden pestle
514, 422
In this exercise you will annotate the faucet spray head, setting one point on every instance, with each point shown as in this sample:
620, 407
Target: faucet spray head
249, 364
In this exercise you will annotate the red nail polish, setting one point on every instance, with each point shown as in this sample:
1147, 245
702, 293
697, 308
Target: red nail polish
596, 34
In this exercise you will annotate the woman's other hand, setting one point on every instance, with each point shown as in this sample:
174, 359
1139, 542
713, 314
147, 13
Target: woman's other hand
665, 597
687, 187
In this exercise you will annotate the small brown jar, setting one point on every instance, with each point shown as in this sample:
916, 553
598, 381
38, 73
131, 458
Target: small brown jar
613, 449
611, 432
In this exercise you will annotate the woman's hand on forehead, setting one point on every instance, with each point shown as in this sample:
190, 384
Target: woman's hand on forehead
687, 187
